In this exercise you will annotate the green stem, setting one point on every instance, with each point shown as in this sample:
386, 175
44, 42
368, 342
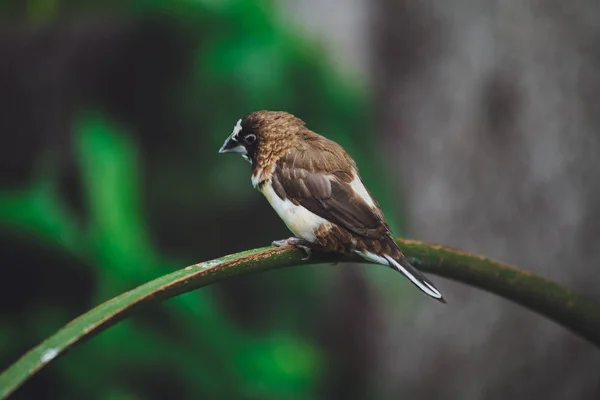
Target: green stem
577, 313
564, 306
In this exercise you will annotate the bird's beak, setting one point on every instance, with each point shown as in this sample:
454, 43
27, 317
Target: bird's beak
232, 146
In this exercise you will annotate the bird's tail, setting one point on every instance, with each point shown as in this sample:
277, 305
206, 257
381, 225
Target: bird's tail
415, 276
396, 260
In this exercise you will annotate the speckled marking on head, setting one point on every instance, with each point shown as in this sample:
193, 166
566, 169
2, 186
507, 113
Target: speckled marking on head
276, 131
236, 129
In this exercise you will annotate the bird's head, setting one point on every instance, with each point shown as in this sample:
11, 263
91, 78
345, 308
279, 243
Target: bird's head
263, 132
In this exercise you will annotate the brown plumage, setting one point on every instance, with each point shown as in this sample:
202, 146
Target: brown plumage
314, 186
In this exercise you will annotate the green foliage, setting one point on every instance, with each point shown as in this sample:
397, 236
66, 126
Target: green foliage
245, 60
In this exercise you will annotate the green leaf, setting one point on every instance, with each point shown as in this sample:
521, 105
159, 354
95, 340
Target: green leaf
38, 211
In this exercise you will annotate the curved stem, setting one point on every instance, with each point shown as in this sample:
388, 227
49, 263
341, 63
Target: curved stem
575, 312
564, 306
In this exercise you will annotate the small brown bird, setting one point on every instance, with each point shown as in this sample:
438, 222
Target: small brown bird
315, 188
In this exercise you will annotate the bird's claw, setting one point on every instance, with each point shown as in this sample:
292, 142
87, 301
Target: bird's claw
294, 241
284, 242
306, 249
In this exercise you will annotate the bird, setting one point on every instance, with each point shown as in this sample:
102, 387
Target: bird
314, 186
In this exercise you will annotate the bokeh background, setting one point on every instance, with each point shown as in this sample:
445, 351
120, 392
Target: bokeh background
475, 123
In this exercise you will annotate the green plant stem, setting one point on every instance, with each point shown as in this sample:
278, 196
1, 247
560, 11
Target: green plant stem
578, 313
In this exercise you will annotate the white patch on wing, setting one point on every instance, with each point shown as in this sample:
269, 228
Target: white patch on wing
298, 219
360, 189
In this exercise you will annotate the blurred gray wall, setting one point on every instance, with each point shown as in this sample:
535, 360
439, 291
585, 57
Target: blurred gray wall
489, 111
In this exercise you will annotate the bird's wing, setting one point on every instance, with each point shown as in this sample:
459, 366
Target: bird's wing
331, 188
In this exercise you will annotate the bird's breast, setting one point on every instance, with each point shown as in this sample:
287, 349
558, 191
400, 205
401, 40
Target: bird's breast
303, 223
256, 177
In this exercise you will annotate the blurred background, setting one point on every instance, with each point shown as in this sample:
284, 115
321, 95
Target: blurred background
475, 124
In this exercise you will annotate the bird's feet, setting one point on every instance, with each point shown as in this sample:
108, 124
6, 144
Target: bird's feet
296, 242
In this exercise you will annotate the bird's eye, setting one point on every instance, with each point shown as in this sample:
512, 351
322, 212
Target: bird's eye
250, 139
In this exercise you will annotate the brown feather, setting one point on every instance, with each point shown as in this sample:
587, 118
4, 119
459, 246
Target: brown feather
325, 190
315, 172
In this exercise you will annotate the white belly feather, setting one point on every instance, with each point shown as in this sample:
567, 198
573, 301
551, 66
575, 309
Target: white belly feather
302, 222
298, 219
